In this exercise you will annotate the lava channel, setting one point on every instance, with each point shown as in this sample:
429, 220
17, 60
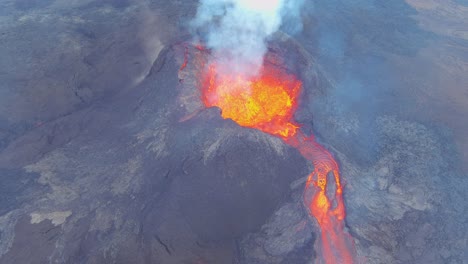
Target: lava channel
267, 103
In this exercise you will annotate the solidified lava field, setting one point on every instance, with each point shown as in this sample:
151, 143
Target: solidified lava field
288, 132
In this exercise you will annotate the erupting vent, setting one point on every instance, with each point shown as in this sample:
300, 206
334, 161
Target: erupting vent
266, 102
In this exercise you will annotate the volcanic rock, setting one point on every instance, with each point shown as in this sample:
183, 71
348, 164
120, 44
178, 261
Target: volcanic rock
107, 155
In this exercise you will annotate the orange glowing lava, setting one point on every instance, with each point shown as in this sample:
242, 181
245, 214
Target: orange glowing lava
268, 103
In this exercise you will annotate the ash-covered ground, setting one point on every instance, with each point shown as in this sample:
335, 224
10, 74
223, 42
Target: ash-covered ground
97, 167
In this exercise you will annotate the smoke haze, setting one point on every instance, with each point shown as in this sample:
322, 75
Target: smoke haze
236, 30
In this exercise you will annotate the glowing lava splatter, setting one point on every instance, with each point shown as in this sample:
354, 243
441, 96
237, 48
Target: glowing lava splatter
261, 103
268, 103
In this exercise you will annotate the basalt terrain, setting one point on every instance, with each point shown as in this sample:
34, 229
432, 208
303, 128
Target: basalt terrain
109, 154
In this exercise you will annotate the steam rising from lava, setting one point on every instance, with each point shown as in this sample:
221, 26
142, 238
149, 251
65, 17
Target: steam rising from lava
236, 30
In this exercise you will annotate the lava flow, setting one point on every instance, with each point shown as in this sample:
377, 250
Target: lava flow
268, 102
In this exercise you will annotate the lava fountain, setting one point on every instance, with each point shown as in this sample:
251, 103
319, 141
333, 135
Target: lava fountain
267, 102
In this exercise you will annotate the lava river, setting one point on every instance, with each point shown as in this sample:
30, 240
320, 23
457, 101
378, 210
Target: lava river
268, 103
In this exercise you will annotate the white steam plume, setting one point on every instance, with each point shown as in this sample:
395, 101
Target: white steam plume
236, 30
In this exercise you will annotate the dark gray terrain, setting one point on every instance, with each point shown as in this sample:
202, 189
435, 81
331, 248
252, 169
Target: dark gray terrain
99, 164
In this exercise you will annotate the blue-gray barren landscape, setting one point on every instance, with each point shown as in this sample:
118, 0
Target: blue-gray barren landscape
108, 154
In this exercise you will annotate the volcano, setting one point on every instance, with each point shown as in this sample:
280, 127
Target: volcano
126, 136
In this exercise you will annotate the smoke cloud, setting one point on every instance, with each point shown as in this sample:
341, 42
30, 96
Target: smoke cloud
237, 30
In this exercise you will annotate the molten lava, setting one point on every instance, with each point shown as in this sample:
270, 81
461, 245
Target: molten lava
268, 103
